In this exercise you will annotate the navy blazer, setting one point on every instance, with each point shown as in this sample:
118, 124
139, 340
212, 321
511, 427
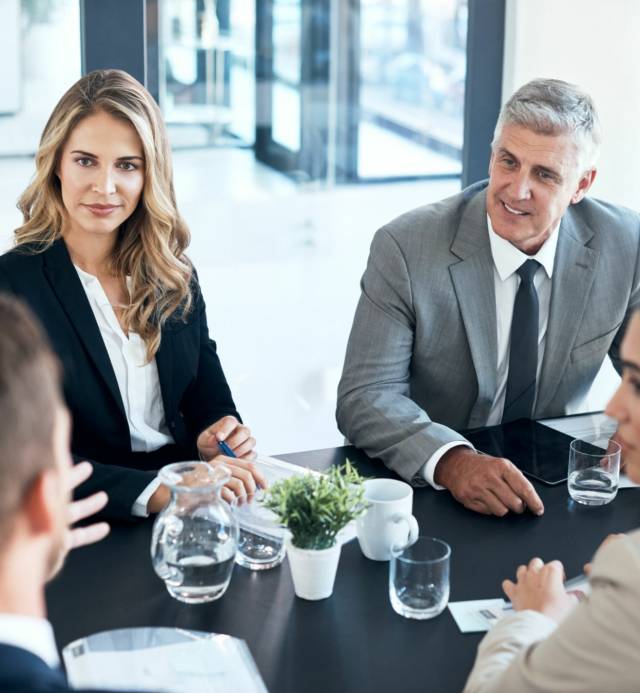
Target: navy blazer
22, 671
193, 386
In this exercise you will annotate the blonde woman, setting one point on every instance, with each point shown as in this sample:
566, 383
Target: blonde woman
552, 643
100, 258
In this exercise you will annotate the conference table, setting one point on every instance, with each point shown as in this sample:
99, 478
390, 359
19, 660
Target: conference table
352, 641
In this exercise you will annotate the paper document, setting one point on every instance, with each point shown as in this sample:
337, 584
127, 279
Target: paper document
201, 663
477, 616
581, 425
625, 482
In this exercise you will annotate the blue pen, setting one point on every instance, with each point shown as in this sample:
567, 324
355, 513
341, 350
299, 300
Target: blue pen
226, 449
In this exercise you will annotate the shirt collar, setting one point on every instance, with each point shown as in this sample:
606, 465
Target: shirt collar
93, 287
508, 259
32, 634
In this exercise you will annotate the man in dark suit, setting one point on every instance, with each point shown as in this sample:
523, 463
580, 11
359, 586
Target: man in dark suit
36, 477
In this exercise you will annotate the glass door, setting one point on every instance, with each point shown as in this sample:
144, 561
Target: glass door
407, 83
292, 69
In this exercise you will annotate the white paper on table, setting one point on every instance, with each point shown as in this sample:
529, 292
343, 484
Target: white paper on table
478, 615
625, 482
211, 664
583, 425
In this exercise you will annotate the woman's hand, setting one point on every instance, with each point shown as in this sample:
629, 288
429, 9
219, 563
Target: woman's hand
245, 477
233, 433
540, 587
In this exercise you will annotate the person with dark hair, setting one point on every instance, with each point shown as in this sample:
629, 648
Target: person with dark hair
552, 643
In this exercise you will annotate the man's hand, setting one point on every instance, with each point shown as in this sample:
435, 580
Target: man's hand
539, 587
81, 509
234, 434
488, 485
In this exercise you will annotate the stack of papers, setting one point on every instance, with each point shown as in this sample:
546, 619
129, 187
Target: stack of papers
162, 659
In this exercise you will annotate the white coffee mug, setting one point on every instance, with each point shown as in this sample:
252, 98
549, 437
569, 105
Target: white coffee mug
388, 523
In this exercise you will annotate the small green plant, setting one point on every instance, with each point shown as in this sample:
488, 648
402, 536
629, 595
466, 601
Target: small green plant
315, 508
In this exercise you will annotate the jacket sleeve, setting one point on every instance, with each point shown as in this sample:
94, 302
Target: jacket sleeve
634, 303
593, 649
208, 398
375, 410
122, 484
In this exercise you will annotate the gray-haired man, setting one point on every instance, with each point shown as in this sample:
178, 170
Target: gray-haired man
495, 304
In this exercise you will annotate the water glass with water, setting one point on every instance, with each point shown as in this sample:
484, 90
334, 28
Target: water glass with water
261, 539
594, 469
419, 578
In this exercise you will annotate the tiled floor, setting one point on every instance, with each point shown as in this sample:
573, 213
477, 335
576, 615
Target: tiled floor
280, 268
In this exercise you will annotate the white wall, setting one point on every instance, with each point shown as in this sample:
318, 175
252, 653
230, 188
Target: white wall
592, 43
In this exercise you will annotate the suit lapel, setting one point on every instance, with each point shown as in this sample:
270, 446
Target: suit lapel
66, 284
573, 275
164, 362
473, 283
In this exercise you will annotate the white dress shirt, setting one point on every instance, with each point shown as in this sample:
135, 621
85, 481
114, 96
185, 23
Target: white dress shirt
32, 634
507, 259
137, 379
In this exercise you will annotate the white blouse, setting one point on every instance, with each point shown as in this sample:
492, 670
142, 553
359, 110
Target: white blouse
138, 380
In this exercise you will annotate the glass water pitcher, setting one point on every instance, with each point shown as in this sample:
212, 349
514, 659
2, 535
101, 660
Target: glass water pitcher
195, 537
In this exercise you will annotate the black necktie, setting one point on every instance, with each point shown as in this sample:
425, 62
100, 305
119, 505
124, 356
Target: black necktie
523, 350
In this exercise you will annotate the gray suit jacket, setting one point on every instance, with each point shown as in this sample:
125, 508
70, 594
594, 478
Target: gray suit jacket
594, 649
421, 361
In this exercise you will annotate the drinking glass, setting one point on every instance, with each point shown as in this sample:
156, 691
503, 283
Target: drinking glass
261, 539
194, 539
419, 578
594, 469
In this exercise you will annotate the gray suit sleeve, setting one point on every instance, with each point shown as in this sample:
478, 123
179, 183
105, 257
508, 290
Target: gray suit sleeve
634, 304
375, 410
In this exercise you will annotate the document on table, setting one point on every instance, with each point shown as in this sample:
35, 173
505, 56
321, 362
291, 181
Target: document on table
581, 425
479, 615
201, 663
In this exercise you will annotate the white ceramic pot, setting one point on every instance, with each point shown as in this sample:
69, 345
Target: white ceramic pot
313, 571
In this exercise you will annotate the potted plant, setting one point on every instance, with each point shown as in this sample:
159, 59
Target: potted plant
314, 508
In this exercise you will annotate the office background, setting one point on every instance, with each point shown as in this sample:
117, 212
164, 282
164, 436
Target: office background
301, 126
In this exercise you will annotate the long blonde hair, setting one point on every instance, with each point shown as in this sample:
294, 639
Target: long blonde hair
151, 242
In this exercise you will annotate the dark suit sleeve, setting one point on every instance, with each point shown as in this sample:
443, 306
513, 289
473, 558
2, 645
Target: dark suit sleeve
208, 398
122, 484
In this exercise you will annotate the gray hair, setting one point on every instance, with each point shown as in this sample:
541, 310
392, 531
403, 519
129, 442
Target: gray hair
554, 107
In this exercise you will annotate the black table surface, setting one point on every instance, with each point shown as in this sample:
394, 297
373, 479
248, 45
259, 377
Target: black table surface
352, 641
